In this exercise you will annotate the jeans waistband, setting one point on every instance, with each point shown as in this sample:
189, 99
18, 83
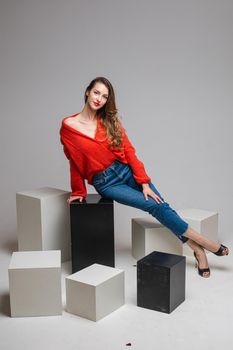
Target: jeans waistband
115, 164
105, 172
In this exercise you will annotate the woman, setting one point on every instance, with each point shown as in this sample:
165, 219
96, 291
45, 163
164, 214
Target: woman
99, 150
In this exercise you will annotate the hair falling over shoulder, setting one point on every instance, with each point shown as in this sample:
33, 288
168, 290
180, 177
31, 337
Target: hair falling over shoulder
108, 114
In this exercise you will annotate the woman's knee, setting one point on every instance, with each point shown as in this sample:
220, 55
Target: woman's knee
159, 209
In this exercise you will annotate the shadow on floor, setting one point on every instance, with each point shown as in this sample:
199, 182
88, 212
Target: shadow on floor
10, 246
5, 304
8, 242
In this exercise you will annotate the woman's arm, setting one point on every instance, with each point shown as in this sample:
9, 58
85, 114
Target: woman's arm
138, 169
136, 165
77, 183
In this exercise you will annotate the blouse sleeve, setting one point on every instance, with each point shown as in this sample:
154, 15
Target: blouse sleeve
77, 182
136, 165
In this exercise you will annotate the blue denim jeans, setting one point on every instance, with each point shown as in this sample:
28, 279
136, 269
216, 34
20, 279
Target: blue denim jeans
117, 182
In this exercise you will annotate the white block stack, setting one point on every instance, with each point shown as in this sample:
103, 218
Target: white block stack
35, 283
95, 291
43, 221
149, 235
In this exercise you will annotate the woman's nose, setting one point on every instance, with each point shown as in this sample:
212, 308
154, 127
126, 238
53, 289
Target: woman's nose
99, 99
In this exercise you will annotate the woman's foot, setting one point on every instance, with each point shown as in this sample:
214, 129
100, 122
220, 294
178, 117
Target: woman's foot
223, 250
206, 243
203, 272
201, 258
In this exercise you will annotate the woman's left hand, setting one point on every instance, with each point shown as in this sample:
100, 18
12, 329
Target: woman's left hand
147, 191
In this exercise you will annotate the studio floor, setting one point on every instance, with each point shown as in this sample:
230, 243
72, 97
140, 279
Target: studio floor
203, 321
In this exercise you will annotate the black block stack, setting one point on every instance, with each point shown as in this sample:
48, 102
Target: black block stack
92, 232
161, 281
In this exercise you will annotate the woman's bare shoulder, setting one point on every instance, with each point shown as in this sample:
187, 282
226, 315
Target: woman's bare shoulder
69, 119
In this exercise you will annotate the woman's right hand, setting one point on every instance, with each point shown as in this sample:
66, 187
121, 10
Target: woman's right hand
74, 198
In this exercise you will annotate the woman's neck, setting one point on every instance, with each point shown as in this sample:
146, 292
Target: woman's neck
88, 114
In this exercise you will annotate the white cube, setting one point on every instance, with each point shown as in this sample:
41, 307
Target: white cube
203, 221
43, 221
149, 235
95, 291
35, 283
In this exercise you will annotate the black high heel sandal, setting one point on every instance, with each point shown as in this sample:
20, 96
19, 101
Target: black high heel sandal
221, 250
201, 271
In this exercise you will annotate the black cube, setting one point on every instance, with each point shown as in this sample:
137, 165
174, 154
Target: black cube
161, 281
92, 232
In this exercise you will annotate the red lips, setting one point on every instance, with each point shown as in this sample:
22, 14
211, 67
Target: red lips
96, 104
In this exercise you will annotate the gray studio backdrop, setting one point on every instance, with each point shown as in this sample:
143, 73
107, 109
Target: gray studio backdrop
171, 65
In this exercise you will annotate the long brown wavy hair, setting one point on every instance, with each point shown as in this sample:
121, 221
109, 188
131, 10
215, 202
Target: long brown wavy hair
108, 113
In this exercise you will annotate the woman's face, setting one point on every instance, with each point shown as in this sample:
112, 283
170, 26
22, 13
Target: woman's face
97, 96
